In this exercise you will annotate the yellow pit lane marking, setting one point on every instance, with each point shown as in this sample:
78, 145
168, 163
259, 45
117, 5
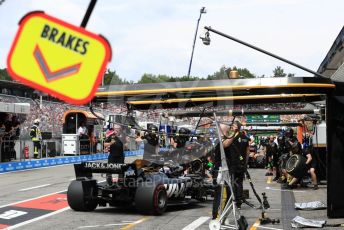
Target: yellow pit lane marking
269, 181
254, 226
134, 223
257, 225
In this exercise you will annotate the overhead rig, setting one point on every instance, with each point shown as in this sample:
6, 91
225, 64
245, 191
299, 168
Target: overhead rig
217, 92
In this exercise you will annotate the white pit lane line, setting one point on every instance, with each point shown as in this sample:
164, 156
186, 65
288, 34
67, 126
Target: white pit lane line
283, 190
36, 219
41, 217
38, 186
259, 226
107, 225
195, 224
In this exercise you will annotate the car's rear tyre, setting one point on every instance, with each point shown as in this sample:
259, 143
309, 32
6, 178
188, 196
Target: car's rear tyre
296, 166
151, 199
80, 195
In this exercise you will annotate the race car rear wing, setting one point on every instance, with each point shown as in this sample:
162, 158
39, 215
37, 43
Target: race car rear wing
85, 169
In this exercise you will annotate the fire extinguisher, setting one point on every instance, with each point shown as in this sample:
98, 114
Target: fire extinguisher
26, 152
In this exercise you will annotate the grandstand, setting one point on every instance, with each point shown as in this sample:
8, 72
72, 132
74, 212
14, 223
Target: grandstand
50, 112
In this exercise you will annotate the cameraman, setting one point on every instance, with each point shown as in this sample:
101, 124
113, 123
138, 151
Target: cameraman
151, 143
181, 138
233, 147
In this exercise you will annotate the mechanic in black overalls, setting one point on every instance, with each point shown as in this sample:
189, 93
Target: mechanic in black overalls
287, 140
282, 154
293, 146
273, 149
244, 141
277, 158
232, 147
308, 153
151, 142
181, 138
311, 164
178, 143
114, 143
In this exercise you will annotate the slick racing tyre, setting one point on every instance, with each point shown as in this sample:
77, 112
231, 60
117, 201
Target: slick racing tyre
80, 193
260, 162
151, 199
296, 166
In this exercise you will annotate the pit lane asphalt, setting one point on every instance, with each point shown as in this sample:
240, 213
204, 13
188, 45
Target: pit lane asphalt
18, 186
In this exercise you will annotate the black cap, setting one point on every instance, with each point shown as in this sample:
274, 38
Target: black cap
289, 132
238, 124
184, 131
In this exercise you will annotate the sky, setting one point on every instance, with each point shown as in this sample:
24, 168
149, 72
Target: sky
156, 37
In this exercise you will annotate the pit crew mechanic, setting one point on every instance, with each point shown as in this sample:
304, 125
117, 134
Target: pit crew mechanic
114, 144
311, 163
271, 152
151, 142
286, 146
233, 148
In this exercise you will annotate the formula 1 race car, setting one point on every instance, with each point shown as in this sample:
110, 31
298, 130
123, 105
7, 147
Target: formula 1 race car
148, 186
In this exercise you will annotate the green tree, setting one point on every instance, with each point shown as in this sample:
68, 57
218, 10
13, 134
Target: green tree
279, 72
4, 75
223, 73
244, 73
150, 78
147, 78
112, 78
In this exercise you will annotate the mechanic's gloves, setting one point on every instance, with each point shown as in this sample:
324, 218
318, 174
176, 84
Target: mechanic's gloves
219, 176
109, 179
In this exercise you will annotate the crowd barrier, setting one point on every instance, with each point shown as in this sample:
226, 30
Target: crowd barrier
39, 163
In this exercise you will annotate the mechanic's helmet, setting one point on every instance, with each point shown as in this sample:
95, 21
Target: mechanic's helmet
237, 124
153, 128
186, 159
280, 140
289, 132
295, 148
184, 131
36, 121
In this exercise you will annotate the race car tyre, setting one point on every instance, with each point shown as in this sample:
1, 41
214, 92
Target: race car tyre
80, 193
151, 199
260, 162
296, 166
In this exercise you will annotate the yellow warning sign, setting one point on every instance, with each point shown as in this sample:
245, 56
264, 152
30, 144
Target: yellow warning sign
58, 58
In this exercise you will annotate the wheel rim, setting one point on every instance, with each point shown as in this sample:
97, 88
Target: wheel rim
161, 200
291, 163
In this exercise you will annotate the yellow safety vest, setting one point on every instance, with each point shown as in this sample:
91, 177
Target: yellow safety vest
36, 133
